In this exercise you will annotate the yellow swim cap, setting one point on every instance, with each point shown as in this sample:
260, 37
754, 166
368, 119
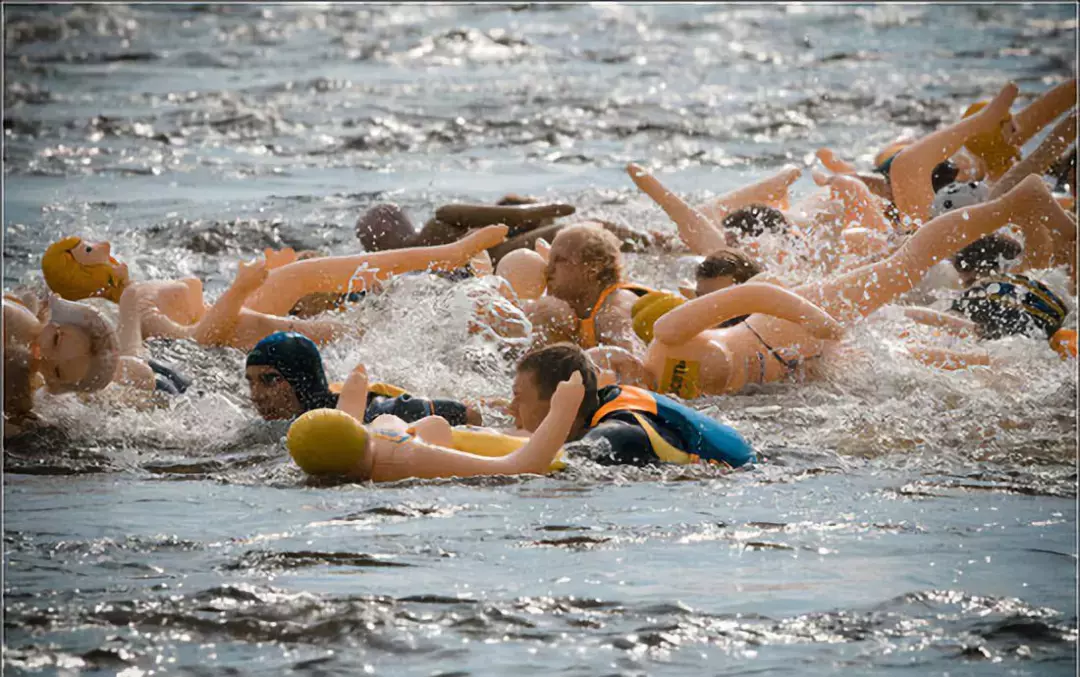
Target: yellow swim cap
991, 147
327, 442
74, 281
650, 308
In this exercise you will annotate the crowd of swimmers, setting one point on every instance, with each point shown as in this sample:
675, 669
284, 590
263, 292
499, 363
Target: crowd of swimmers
609, 361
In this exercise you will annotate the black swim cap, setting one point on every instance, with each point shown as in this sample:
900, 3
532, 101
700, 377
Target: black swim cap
298, 359
944, 174
1007, 305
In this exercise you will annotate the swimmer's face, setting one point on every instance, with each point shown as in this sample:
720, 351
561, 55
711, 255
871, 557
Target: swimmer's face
64, 354
566, 276
710, 284
91, 253
528, 408
271, 394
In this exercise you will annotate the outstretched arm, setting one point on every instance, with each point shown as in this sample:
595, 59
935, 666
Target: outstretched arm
343, 274
912, 189
1061, 137
1044, 110
690, 319
950, 360
771, 191
695, 229
426, 461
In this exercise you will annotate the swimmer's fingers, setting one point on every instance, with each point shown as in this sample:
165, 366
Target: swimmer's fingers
276, 259
251, 273
570, 392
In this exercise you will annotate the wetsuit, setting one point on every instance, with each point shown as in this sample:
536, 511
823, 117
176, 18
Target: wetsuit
643, 427
167, 380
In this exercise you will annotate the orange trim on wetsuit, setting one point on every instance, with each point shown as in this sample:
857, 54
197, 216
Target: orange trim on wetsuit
628, 399
587, 328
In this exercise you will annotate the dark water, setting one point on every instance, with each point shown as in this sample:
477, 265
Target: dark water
905, 521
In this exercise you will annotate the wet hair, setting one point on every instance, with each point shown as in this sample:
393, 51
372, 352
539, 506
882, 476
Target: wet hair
1009, 305
983, 256
384, 226
554, 364
944, 174
727, 262
755, 219
600, 248
298, 359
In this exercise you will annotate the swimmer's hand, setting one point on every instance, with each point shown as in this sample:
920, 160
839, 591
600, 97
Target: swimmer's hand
480, 239
353, 397
569, 393
251, 275
277, 259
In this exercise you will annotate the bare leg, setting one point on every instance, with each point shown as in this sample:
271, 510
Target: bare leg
855, 295
695, 229
912, 190
771, 191
343, 274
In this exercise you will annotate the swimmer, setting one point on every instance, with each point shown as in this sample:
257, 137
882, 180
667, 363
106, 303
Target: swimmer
788, 328
639, 427
997, 306
286, 376
584, 285
386, 451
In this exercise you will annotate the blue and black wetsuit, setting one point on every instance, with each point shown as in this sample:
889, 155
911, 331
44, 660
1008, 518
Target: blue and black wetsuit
644, 427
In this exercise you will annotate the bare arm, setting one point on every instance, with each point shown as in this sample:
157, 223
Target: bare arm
353, 397
1044, 110
933, 318
615, 325
690, 319
131, 369
1060, 138
949, 360
425, 461
695, 229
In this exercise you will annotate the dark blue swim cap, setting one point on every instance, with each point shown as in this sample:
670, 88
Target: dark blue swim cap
298, 359
1009, 304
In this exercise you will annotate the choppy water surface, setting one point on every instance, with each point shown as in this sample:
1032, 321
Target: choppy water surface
905, 521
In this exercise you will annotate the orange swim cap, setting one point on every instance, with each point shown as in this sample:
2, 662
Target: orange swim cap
991, 147
1064, 343
74, 281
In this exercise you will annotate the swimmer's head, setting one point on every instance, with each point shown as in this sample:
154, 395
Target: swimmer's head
384, 226
959, 195
77, 349
583, 258
722, 269
991, 147
984, 257
755, 220
327, 442
1009, 305
944, 174
524, 269
76, 269
286, 376
539, 374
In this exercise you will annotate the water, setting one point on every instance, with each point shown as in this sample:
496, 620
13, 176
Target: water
905, 521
